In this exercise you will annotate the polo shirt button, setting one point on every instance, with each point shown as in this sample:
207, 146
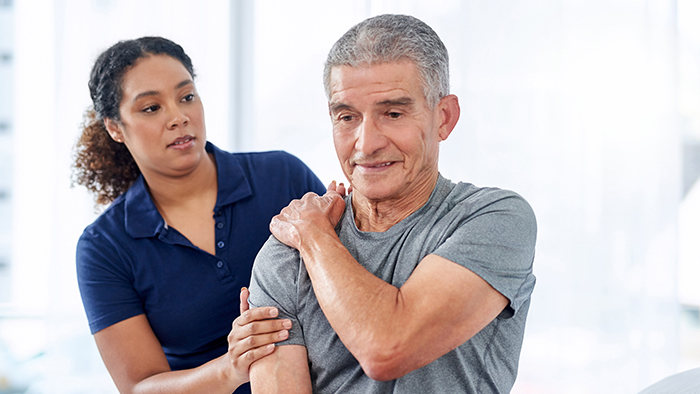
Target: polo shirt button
220, 244
220, 225
220, 264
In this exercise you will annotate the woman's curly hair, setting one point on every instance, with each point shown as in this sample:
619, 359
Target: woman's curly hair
104, 166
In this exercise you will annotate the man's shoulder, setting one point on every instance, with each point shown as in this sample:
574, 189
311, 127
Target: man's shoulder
275, 274
274, 249
471, 199
494, 213
276, 262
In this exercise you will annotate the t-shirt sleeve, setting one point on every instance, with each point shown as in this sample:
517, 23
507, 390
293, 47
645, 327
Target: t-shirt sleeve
495, 239
106, 285
274, 282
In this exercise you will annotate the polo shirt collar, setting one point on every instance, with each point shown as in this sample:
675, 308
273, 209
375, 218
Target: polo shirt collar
233, 182
141, 216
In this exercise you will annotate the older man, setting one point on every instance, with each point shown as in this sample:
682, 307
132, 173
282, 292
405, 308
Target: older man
411, 283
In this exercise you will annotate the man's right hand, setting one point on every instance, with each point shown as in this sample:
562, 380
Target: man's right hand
309, 216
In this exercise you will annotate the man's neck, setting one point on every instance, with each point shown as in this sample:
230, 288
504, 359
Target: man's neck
381, 215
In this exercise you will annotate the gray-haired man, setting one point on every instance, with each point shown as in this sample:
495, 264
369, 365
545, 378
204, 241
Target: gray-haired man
412, 283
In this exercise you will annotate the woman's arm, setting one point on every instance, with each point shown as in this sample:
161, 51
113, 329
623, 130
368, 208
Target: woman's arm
135, 359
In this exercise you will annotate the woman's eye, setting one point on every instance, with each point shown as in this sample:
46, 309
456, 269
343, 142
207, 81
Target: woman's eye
151, 108
189, 97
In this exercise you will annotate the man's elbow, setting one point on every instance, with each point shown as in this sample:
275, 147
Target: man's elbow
381, 372
385, 365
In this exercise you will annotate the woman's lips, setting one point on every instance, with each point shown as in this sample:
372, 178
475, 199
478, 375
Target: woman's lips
183, 142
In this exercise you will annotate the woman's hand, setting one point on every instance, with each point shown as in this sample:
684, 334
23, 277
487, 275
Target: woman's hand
253, 336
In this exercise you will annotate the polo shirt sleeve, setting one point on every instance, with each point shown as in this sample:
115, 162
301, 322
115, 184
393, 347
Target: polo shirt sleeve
106, 285
494, 237
274, 282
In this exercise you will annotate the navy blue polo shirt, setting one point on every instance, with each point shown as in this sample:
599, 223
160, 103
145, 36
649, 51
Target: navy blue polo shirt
129, 262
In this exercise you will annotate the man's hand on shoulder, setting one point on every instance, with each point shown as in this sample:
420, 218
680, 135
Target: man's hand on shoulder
311, 214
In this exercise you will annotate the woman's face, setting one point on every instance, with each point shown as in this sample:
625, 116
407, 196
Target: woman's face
162, 118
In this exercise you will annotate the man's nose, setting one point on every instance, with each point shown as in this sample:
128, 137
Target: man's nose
370, 138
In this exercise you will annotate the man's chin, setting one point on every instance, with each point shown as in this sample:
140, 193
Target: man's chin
373, 192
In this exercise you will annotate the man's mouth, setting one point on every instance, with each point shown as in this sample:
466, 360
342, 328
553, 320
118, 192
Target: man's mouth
375, 165
380, 165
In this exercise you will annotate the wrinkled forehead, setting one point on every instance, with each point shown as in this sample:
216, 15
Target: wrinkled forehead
378, 81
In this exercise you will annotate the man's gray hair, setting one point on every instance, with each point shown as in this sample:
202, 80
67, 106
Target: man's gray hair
394, 38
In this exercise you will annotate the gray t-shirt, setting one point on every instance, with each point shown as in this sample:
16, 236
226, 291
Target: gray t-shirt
489, 231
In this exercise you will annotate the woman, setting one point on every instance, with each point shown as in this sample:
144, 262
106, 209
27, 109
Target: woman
160, 270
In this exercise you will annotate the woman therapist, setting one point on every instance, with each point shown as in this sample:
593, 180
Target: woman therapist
161, 269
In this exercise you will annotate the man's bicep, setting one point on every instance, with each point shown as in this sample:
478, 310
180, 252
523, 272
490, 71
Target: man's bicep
497, 244
284, 371
274, 283
446, 304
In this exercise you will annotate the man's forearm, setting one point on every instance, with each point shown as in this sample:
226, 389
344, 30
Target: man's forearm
365, 311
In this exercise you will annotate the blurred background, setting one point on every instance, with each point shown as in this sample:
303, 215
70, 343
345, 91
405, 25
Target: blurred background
589, 109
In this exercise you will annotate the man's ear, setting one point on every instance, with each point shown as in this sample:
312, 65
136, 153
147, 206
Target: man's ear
449, 110
113, 129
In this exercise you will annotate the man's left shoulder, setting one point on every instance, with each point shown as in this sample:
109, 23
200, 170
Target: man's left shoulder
473, 199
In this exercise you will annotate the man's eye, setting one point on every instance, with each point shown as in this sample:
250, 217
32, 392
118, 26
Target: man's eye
151, 108
346, 118
394, 115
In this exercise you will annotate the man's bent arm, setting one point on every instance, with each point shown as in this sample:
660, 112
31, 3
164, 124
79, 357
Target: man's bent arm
393, 331
284, 371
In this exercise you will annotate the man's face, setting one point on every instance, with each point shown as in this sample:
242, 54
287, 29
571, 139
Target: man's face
386, 136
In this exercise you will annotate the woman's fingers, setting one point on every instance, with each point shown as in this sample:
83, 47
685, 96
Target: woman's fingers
244, 306
260, 340
255, 314
339, 188
255, 322
254, 334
